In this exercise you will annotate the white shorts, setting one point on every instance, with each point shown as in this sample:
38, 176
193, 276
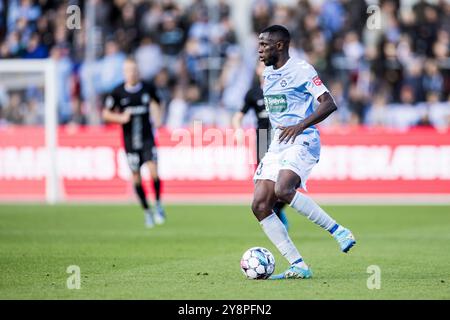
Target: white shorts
299, 158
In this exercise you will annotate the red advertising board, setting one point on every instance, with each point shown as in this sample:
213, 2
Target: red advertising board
201, 164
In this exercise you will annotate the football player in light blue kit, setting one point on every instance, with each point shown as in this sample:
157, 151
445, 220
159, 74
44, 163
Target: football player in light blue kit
290, 87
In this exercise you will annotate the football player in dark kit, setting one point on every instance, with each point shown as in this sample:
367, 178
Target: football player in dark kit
254, 99
131, 104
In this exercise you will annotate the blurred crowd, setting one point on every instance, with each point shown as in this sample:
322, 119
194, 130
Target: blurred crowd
385, 62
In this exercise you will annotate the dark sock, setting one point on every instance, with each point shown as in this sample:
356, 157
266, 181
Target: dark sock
157, 187
141, 195
278, 207
333, 228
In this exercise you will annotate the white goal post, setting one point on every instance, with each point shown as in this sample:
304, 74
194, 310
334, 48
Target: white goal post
48, 68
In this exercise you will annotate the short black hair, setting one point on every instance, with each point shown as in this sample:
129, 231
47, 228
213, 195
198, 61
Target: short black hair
281, 32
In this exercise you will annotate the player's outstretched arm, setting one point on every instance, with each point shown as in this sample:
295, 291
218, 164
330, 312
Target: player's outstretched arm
325, 108
236, 121
111, 116
156, 113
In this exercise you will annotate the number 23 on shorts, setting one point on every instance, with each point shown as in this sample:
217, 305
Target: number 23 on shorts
259, 169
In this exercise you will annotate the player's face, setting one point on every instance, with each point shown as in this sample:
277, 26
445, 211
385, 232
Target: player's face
267, 51
131, 73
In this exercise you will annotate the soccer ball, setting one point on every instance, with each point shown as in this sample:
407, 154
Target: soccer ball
257, 263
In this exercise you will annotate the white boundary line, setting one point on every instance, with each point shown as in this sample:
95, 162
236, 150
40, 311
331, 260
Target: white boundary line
245, 199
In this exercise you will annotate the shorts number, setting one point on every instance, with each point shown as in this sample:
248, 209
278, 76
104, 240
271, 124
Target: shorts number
133, 161
259, 170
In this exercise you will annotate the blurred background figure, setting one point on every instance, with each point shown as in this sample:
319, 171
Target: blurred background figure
132, 104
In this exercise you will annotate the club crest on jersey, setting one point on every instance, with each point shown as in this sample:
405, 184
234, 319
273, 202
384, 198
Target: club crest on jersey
109, 102
316, 80
283, 83
145, 98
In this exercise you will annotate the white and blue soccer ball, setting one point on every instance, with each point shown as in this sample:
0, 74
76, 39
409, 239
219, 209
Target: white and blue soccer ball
257, 263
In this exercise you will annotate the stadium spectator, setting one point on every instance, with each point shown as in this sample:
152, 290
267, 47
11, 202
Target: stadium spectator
234, 81
14, 110
171, 36
33, 112
148, 55
128, 32
432, 79
22, 9
163, 83
35, 49
64, 69
110, 67
177, 109
261, 14
332, 18
377, 114
12, 46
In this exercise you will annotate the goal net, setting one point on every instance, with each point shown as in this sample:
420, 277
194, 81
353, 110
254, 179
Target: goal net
28, 130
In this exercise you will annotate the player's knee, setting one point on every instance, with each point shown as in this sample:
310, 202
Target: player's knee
260, 207
136, 179
283, 193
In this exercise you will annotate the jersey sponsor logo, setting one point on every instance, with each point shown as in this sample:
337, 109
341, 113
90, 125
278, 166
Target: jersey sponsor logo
124, 101
275, 103
316, 80
273, 76
136, 110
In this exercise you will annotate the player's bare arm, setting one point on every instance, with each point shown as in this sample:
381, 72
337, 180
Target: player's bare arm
236, 121
325, 108
156, 113
116, 117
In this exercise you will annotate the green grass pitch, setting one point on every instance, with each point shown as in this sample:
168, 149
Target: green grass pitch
196, 254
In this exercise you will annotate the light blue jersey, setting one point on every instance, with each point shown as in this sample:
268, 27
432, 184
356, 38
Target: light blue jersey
289, 94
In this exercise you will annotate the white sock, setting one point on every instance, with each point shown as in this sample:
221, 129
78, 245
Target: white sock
275, 230
307, 207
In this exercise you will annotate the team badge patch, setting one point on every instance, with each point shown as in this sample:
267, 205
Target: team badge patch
109, 102
283, 83
316, 80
